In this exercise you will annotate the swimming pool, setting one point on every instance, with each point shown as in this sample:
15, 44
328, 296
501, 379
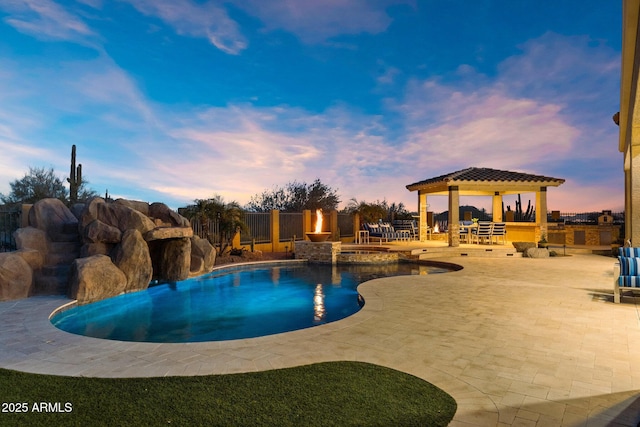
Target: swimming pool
230, 304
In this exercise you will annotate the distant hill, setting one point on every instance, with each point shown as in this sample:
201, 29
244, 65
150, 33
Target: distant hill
475, 213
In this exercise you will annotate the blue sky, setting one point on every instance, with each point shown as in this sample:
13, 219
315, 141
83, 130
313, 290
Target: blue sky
173, 100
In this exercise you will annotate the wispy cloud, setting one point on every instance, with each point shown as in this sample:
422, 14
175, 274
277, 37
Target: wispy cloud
102, 85
96, 4
45, 19
581, 75
555, 66
93, 104
315, 22
486, 127
202, 20
531, 114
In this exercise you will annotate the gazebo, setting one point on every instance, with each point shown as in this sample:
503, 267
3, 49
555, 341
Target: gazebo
486, 182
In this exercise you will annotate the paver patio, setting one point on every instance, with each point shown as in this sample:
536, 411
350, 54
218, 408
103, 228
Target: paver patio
516, 342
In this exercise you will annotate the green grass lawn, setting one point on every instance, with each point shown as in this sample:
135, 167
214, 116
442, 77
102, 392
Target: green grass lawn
324, 394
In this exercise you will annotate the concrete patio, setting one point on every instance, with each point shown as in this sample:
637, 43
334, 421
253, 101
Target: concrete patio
516, 342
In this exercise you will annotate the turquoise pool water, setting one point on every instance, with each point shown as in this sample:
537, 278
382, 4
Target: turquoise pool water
231, 304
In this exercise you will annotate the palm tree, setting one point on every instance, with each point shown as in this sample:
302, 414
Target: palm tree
229, 218
369, 212
200, 212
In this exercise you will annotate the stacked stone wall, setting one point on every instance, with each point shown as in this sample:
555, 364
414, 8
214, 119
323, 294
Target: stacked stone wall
372, 257
318, 252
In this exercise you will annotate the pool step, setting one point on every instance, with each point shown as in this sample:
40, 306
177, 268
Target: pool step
467, 251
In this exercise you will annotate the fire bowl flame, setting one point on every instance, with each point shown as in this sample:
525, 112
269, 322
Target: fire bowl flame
318, 237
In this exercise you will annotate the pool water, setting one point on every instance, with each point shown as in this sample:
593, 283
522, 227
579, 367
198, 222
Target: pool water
231, 304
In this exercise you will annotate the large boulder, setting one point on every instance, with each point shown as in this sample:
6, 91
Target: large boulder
166, 216
203, 256
90, 249
132, 257
124, 218
99, 232
95, 278
165, 233
31, 238
89, 213
34, 258
523, 246
16, 277
53, 217
536, 253
142, 207
49, 245
117, 215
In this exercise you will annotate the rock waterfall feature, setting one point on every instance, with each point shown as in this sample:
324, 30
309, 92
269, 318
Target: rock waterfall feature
101, 249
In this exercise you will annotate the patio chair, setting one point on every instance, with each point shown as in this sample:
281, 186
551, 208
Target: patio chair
629, 252
408, 225
626, 274
481, 232
465, 231
374, 230
499, 230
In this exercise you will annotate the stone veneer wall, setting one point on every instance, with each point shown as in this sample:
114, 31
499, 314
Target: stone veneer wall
370, 257
594, 235
441, 237
321, 252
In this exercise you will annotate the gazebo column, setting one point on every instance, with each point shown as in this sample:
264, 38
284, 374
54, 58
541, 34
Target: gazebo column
541, 212
454, 216
497, 207
422, 212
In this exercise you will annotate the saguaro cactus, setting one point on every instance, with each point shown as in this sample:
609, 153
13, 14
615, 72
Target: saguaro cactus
523, 215
519, 214
75, 177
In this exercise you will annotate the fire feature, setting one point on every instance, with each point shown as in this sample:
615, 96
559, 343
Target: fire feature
317, 249
318, 235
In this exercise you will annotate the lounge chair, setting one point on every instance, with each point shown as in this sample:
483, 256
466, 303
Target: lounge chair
626, 272
499, 230
384, 231
481, 232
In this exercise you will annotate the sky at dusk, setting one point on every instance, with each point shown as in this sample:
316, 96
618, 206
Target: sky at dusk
176, 100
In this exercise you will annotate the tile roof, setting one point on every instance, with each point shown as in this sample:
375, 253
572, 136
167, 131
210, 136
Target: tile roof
489, 175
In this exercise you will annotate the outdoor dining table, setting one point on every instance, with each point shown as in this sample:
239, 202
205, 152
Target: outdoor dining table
469, 228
